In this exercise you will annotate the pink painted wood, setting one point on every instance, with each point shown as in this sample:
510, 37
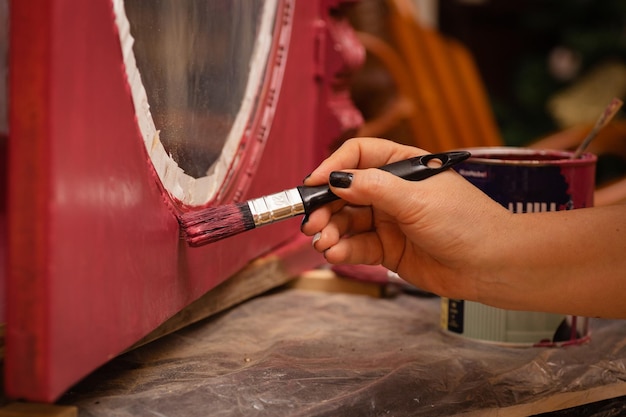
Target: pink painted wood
94, 256
3, 223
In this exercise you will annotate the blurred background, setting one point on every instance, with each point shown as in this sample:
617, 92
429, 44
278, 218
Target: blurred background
545, 67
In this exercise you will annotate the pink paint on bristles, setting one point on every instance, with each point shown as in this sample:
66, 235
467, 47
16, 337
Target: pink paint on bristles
215, 223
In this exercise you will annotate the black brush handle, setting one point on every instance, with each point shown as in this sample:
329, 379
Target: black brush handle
412, 169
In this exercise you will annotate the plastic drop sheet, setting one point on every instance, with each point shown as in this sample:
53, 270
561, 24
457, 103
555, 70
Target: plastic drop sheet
299, 353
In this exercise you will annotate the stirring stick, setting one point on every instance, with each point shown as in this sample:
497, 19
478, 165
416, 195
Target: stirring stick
604, 120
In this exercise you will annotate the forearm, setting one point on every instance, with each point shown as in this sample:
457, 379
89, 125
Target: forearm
569, 262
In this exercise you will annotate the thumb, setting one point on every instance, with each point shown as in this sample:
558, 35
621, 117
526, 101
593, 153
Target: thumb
382, 190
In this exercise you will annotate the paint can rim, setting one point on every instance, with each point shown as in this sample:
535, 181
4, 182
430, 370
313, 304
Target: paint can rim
497, 155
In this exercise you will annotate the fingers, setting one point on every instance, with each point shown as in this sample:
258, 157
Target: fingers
379, 209
349, 221
361, 153
314, 222
363, 248
368, 224
398, 198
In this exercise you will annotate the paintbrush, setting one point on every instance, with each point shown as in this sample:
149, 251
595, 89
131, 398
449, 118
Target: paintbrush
607, 115
216, 223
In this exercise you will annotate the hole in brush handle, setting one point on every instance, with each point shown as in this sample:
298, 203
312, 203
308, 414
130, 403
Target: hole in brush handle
419, 168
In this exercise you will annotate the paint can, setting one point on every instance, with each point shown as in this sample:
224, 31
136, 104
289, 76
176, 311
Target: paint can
523, 180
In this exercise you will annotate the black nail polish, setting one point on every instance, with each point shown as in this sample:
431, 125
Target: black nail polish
340, 179
305, 219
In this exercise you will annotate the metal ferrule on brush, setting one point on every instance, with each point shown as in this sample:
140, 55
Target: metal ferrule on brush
276, 207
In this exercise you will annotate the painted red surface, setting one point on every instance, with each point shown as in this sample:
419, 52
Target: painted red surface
339, 55
94, 256
3, 222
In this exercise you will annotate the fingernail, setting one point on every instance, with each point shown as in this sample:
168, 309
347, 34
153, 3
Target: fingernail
305, 220
340, 179
307, 177
317, 237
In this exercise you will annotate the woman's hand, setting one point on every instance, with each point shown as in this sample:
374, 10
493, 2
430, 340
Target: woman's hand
434, 233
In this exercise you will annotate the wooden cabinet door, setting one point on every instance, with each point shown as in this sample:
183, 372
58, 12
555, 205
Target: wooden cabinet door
94, 257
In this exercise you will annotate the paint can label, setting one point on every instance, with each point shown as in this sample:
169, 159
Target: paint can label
452, 315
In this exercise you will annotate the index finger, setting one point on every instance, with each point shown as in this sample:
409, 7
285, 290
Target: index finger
362, 153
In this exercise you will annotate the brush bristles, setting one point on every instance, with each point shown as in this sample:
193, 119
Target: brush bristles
216, 223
